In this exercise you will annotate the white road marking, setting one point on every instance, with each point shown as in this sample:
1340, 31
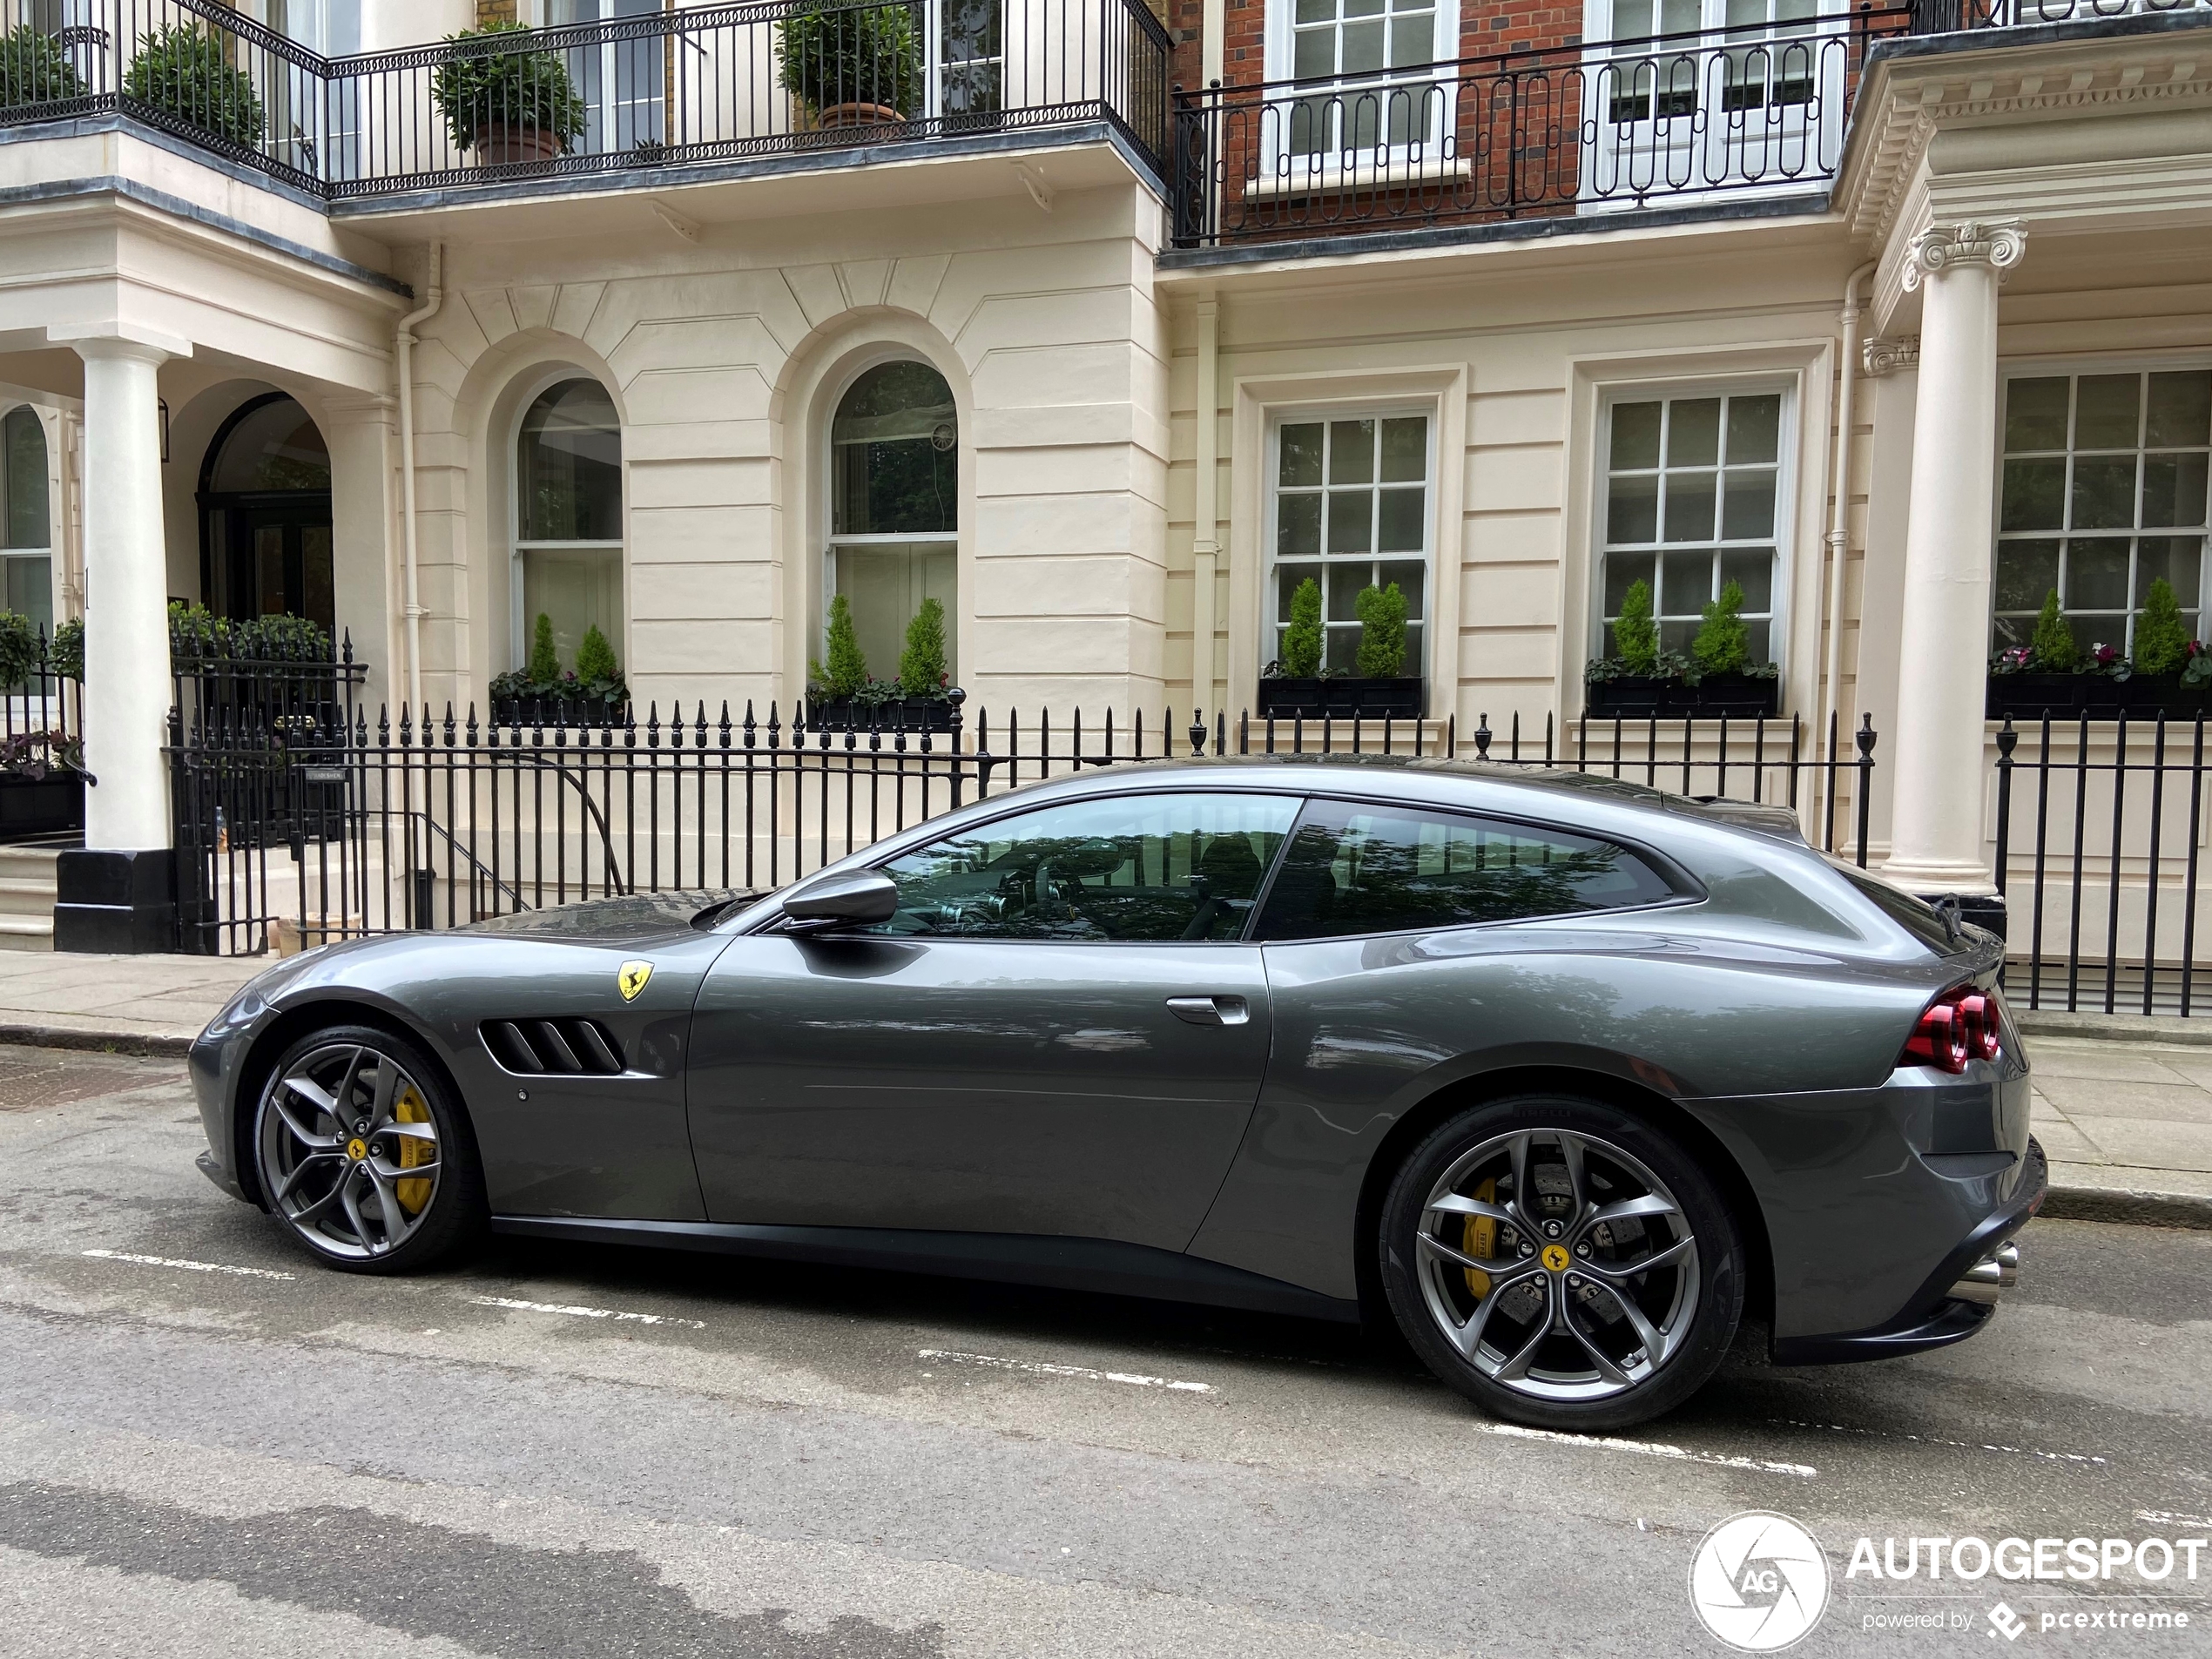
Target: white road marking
2169, 1518
1929, 1439
521, 1307
1648, 1449
1038, 1367
188, 1266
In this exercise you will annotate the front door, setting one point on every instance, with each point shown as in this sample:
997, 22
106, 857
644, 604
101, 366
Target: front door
271, 556
1060, 1032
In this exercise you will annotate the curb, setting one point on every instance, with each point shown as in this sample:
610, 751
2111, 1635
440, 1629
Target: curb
130, 1042
2118, 1028
2130, 1207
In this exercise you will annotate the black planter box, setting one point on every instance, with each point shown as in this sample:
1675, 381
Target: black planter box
534, 710
53, 805
1282, 697
912, 714
1735, 696
2069, 697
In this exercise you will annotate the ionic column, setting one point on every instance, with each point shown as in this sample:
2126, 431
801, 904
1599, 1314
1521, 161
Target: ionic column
1935, 841
120, 894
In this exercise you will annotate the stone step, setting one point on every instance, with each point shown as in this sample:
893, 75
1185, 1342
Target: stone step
27, 933
23, 896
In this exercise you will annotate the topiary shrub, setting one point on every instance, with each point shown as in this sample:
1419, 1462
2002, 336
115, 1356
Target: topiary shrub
1723, 644
68, 650
544, 665
1382, 632
2052, 649
1636, 636
1300, 655
521, 90
183, 72
596, 662
851, 54
19, 648
922, 664
2162, 637
35, 69
847, 670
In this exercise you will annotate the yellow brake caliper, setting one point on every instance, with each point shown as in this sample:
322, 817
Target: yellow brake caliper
1480, 1239
410, 1108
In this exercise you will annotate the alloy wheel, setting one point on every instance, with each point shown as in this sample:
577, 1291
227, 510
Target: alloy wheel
349, 1153
1558, 1265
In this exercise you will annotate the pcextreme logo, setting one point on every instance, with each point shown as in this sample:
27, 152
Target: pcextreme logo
1759, 1582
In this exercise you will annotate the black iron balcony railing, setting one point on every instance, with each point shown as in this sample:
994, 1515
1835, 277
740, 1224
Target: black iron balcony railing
703, 84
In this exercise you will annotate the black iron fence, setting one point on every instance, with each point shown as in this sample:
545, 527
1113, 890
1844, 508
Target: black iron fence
640, 93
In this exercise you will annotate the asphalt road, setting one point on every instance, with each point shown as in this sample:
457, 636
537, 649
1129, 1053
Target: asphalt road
210, 1445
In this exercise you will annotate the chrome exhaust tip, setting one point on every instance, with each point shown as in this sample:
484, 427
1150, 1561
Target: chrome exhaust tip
1988, 1279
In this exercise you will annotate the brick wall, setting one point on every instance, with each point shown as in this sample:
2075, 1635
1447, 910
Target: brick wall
495, 11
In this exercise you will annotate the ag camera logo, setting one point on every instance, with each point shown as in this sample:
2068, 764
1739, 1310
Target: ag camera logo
1759, 1582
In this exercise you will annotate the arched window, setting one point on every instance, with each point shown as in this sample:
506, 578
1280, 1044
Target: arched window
894, 495
264, 514
568, 518
29, 584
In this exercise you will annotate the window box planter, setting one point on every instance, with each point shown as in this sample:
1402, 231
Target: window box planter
2069, 697
53, 805
1735, 696
909, 714
551, 710
1343, 697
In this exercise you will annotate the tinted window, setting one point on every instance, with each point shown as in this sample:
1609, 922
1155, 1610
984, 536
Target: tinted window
1361, 869
1134, 867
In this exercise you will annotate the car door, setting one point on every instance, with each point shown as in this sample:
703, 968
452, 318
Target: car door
1060, 1031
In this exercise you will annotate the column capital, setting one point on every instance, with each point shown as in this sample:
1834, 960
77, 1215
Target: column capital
1886, 353
1998, 243
116, 339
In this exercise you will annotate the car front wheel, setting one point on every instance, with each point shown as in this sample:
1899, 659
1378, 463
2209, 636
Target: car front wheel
1562, 1262
364, 1155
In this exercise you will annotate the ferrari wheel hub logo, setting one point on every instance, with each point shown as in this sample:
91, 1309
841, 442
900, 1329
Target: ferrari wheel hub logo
631, 979
1555, 1257
357, 1148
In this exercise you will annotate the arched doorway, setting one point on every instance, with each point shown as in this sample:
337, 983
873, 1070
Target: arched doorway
264, 514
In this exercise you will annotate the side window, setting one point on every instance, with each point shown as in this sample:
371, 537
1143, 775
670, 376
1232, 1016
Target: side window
1359, 869
1128, 868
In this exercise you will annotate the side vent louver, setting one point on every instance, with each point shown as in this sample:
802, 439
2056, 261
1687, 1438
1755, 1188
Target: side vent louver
553, 1048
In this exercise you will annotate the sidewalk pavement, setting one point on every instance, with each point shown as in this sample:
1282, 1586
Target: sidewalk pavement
2123, 1105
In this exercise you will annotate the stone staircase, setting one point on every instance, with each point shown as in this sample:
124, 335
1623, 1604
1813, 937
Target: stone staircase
27, 897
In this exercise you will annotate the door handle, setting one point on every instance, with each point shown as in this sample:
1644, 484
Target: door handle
1210, 1011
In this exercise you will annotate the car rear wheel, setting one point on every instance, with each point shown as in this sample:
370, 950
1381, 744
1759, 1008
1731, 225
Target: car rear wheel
364, 1155
1562, 1262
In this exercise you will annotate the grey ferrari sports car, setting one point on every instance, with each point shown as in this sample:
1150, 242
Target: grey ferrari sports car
1562, 1074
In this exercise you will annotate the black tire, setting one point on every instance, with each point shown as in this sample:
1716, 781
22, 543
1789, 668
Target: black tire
367, 1199
1524, 1270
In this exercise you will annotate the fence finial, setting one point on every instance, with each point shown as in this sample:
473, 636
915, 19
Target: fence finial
1198, 733
1483, 736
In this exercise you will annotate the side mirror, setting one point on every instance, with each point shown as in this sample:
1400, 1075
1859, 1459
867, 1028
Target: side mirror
856, 897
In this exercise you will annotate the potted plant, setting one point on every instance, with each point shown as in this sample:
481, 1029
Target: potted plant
1717, 678
851, 65
515, 105
842, 693
35, 69
541, 693
1295, 686
2043, 677
1637, 678
1726, 680
2169, 671
183, 72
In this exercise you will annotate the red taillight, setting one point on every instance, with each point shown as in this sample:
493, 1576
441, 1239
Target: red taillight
1959, 1026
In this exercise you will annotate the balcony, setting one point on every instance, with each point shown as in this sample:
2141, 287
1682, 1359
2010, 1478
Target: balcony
1724, 119
635, 100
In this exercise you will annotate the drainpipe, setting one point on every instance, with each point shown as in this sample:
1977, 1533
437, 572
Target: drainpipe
1840, 528
404, 349
1206, 546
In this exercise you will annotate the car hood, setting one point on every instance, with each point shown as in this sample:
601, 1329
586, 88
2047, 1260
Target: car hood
614, 921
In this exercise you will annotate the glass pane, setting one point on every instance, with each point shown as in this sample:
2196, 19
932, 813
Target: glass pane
2174, 488
2180, 410
1315, 53
1301, 458
268, 571
2180, 559
1363, 47
1632, 509
1362, 8
1677, 636
572, 467
1356, 869
1676, 15
1287, 577
1351, 452
1342, 654
579, 589
886, 586
1404, 520
275, 447
1635, 434
1351, 522
30, 592
23, 477
1317, 10
1747, 512
1297, 524
2107, 412
1685, 583
2026, 572
2096, 574
2034, 495
2035, 414
1413, 40
1690, 506
1148, 867
1411, 578
318, 601
1753, 429
1754, 573
1405, 450
1623, 571
1757, 635
894, 455
2104, 493
1694, 432
1346, 582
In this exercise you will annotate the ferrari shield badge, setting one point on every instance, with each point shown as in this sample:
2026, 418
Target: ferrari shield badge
631, 977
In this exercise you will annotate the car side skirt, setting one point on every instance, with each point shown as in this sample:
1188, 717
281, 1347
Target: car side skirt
1104, 1265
